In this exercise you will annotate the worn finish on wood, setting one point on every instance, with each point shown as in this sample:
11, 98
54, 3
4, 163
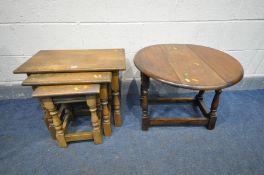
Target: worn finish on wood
54, 61
91, 103
106, 113
67, 78
62, 90
116, 98
186, 66
189, 66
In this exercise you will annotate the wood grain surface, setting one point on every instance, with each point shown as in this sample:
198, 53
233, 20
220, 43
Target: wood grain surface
189, 66
63, 90
67, 78
50, 61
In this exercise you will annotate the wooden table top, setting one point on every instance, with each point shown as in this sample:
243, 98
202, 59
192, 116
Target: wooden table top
189, 66
51, 61
67, 78
63, 90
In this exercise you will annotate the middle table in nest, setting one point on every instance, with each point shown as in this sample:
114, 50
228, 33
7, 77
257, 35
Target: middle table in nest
66, 67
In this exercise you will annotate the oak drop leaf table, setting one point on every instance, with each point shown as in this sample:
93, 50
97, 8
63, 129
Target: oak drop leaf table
186, 66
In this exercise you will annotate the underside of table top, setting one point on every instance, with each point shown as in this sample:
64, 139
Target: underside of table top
51, 61
189, 66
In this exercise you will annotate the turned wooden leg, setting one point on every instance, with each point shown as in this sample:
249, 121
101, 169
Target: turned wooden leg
48, 104
48, 121
144, 101
198, 97
116, 98
99, 109
109, 92
91, 103
47, 118
212, 114
106, 114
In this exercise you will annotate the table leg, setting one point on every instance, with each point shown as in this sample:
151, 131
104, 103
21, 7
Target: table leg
109, 89
212, 114
99, 109
199, 96
91, 103
106, 114
48, 121
116, 98
144, 101
49, 105
47, 118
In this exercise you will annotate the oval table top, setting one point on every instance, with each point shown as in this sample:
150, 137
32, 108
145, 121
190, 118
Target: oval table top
189, 66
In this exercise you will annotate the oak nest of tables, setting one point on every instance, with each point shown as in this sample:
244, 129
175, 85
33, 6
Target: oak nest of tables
186, 66
63, 80
80, 61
